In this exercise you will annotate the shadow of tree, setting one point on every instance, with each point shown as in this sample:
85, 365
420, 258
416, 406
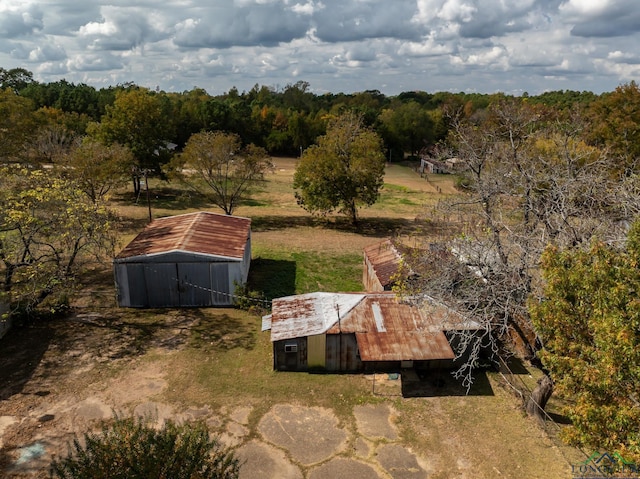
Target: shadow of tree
440, 382
367, 226
274, 278
222, 332
164, 197
21, 351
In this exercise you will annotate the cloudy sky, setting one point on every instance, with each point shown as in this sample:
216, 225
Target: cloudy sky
336, 45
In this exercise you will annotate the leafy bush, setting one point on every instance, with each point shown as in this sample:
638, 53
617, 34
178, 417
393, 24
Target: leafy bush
131, 448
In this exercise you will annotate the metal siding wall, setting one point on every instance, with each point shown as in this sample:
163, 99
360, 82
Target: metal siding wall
195, 286
137, 285
342, 353
317, 350
246, 260
122, 284
162, 284
221, 290
290, 361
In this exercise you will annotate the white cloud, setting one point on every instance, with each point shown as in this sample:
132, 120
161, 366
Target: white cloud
47, 52
335, 45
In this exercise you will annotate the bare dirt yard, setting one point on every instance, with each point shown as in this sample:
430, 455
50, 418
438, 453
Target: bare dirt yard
61, 378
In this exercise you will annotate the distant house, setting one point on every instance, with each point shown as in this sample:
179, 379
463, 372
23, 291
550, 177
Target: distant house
432, 166
381, 266
195, 259
360, 332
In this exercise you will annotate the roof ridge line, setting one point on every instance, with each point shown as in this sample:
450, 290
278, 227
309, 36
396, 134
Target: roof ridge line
188, 232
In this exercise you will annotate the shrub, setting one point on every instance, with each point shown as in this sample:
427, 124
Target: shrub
133, 449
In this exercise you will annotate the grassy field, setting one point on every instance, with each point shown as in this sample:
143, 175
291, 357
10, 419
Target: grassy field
222, 359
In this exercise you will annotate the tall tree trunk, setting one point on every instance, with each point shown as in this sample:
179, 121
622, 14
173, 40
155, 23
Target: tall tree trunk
539, 398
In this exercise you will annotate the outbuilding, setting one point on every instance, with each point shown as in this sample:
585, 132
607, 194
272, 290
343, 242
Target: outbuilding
359, 332
382, 263
189, 260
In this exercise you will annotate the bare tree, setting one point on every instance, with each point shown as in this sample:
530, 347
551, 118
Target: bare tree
216, 165
528, 180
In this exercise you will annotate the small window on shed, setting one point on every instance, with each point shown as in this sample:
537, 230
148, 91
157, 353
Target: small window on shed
291, 347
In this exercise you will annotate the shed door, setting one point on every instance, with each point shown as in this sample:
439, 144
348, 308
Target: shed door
162, 284
136, 285
195, 289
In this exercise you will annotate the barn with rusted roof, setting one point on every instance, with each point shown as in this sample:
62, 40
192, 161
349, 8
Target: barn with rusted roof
190, 260
360, 332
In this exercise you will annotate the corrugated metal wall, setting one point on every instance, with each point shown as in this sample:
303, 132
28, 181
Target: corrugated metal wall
342, 353
370, 279
177, 284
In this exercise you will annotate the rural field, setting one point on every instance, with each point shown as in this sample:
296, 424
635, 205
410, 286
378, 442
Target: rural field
60, 378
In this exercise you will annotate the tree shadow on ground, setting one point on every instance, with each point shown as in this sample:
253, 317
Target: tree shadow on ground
164, 197
274, 278
33, 357
222, 332
440, 382
367, 226
21, 351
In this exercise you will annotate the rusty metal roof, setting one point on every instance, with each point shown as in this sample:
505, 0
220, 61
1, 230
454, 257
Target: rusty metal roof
201, 232
385, 259
386, 328
309, 314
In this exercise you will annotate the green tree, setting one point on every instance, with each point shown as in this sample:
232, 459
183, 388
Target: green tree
344, 171
130, 448
410, 126
18, 125
615, 120
15, 78
49, 232
140, 120
216, 165
96, 168
589, 323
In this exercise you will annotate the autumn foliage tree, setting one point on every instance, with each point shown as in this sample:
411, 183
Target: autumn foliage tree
49, 231
343, 171
589, 321
217, 166
97, 168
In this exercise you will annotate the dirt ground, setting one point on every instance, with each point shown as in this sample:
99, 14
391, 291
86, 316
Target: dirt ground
59, 379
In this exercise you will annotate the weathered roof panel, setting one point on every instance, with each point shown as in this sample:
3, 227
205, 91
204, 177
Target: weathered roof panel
385, 259
386, 328
309, 314
201, 232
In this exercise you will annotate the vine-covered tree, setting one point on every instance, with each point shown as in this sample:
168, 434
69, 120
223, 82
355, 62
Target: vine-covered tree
343, 171
215, 165
49, 231
589, 321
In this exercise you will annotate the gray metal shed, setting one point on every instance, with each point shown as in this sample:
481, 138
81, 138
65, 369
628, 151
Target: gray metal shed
189, 260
